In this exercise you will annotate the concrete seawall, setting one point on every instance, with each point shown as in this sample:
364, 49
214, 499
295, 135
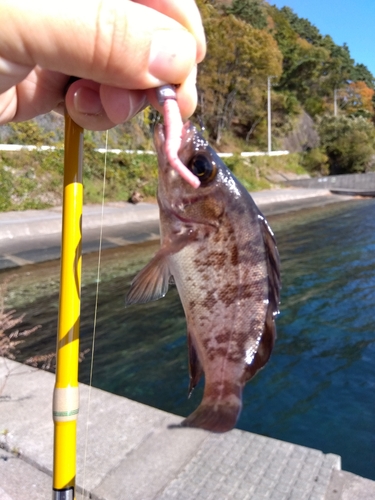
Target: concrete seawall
135, 452
356, 183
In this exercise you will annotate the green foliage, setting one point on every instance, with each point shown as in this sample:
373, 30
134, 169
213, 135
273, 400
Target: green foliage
267, 41
303, 63
288, 163
254, 172
126, 173
248, 172
361, 73
251, 11
34, 179
313, 65
30, 179
5, 191
348, 142
315, 161
29, 133
302, 26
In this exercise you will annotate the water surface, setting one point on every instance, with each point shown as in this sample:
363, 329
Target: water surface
318, 388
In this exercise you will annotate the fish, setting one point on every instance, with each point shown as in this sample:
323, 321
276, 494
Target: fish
218, 249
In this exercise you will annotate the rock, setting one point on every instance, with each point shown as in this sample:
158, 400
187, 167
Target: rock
135, 198
303, 136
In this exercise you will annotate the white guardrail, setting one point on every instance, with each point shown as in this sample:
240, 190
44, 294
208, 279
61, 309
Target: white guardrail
19, 147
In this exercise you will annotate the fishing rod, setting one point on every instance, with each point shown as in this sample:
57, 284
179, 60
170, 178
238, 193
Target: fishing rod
66, 393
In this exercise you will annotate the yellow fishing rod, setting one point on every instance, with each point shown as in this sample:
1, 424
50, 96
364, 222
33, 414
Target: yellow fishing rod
66, 394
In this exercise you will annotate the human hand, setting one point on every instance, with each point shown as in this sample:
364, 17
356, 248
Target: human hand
120, 49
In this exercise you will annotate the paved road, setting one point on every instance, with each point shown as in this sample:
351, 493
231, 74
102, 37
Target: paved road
35, 235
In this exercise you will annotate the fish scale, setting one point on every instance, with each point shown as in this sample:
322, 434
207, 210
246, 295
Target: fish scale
224, 261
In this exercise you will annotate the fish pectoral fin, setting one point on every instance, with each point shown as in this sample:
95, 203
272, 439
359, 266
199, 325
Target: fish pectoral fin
151, 283
195, 366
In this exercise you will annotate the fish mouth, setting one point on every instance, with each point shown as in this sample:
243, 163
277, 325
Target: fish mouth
187, 133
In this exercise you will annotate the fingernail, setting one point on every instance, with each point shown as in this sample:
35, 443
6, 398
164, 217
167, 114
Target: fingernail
121, 104
135, 104
87, 101
172, 52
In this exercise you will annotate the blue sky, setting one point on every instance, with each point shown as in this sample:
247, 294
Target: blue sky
347, 21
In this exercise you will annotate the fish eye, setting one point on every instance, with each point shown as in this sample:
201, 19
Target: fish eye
204, 168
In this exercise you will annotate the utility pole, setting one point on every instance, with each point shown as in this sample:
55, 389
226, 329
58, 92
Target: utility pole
269, 113
335, 102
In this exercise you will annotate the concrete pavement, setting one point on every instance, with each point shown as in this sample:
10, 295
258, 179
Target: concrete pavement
135, 452
35, 235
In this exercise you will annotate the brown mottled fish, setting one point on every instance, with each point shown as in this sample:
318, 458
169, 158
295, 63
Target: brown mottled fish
223, 258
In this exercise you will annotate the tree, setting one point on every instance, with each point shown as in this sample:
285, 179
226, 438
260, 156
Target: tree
239, 59
304, 64
314, 67
303, 27
361, 73
29, 133
348, 142
338, 69
251, 11
357, 99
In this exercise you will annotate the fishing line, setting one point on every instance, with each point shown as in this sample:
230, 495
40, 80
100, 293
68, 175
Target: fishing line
95, 316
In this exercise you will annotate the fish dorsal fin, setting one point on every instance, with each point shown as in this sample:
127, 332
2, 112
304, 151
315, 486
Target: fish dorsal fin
273, 264
274, 284
152, 282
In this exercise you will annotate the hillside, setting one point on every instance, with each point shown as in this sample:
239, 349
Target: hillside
322, 100
308, 70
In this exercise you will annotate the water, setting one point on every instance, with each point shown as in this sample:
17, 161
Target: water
318, 388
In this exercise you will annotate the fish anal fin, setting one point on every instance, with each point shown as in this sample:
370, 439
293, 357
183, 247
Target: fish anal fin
220, 417
195, 366
151, 283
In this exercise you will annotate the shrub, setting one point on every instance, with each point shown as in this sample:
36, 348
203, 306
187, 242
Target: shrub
315, 161
348, 142
29, 133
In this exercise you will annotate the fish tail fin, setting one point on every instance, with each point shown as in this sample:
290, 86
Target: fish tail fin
218, 417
